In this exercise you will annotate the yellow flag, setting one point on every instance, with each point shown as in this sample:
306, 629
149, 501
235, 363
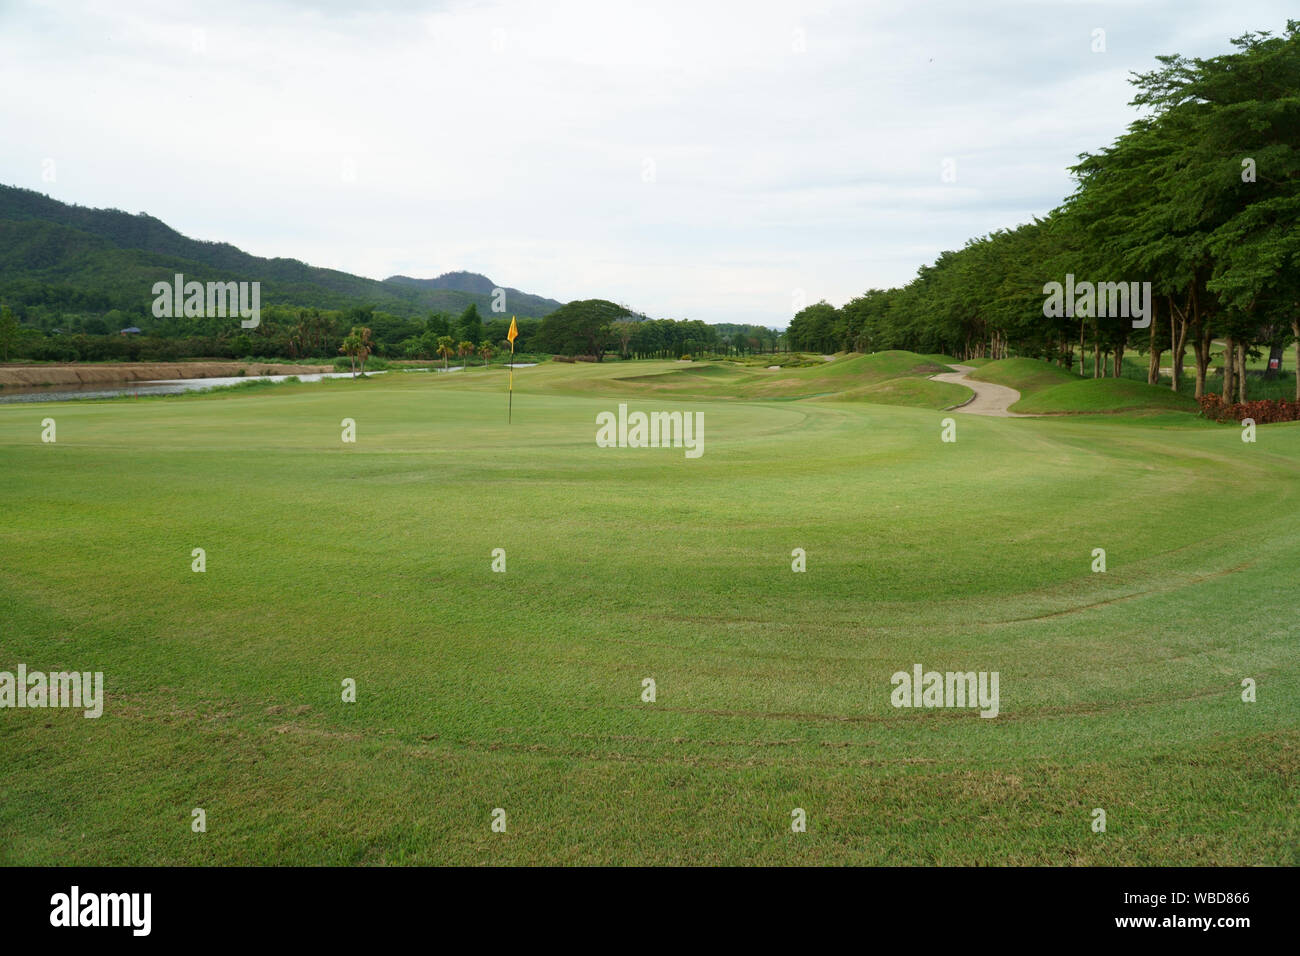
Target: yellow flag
511, 335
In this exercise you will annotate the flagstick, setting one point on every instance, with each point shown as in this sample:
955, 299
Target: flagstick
510, 402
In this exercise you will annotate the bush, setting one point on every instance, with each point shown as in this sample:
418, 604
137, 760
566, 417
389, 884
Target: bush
562, 358
373, 364
1264, 411
54, 352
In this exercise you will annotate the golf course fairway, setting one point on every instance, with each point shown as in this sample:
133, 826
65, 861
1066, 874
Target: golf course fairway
523, 691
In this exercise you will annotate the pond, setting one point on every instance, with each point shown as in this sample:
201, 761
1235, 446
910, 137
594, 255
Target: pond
167, 386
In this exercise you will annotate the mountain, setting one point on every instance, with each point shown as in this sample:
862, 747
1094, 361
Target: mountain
471, 283
62, 256
457, 281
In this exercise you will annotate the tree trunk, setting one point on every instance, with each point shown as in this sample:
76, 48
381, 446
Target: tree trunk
1274, 366
1241, 372
1173, 343
1096, 358
1201, 346
1295, 327
1229, 366
1119, 360
1177, 342
1155, 352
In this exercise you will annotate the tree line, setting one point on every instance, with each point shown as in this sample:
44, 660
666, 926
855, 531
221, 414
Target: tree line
588, 327
593, 328
1200, 197
284, 332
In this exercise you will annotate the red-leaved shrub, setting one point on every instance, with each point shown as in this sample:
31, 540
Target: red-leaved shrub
1265, 411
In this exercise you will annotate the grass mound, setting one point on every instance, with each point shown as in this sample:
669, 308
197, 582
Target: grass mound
1047, 389
1026, 376
916, 392
684, 377
848, 373
844, 374
894, 363
1092, 395
783, 359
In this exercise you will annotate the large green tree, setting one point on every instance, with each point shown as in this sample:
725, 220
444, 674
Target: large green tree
582, 327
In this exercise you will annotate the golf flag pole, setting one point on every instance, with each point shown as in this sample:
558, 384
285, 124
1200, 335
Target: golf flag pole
511, 335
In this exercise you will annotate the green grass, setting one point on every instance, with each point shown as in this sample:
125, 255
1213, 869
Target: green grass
783, 359
731, 380
1048, 389
916, 392
1282, 386
1025, 375
1088, 395
522, 690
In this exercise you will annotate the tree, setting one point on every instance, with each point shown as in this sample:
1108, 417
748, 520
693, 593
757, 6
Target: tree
367, 346
1200, 198
813, 328
446, 348
8, 332
350, 347
438, 324
486, 350
357, 347
581, 327
624, 329
465, 349
1250, 139
310, 333
470, 326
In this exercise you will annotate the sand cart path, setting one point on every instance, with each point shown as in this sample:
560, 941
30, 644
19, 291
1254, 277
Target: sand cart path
989, 399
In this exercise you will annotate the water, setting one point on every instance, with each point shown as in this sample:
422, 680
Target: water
167, 386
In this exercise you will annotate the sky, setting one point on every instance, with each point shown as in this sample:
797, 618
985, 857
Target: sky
723, 161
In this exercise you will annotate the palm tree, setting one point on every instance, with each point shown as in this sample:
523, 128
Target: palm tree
367, 346
350, 347
357, 345
485, 349
465, 348
297, 336
446, 346
310, 333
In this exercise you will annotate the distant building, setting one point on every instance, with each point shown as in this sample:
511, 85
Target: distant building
132, 330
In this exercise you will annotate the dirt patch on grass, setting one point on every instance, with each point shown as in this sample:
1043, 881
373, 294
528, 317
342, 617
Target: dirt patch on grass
111, 372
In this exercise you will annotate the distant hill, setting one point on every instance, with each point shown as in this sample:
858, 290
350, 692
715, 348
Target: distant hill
83, 259
471, 283
456, 281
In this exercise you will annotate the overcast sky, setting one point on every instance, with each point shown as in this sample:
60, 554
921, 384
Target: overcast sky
701, 160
